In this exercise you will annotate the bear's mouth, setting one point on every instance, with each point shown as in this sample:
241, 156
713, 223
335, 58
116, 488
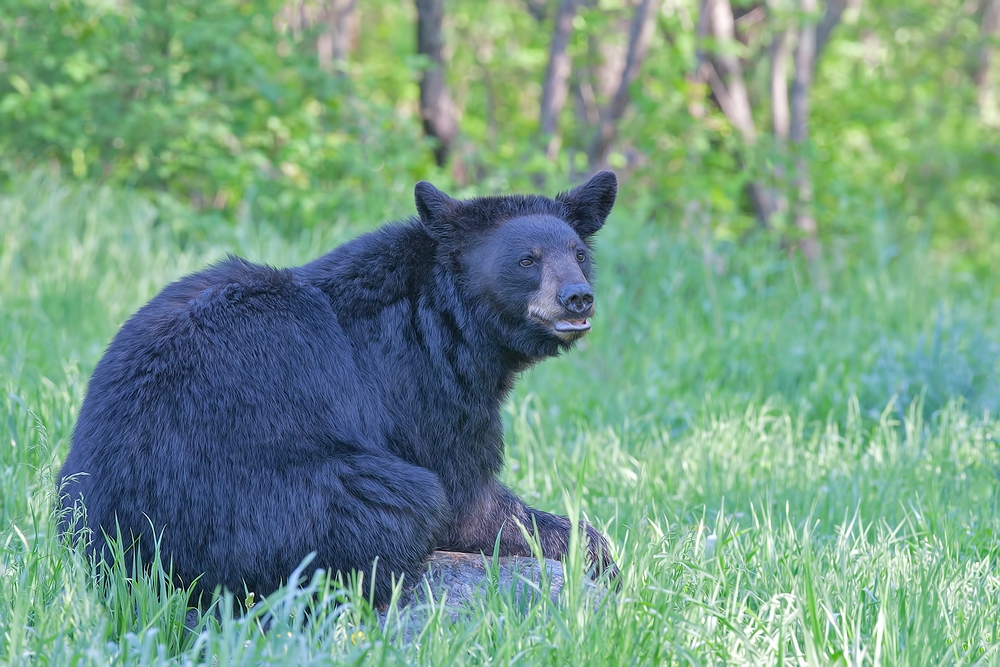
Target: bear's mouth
565, 328
572, 326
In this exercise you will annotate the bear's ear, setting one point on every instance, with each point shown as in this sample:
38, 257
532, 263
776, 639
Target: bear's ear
590, 203
434, 208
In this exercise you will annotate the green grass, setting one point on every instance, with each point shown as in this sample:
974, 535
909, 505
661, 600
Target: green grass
789, 477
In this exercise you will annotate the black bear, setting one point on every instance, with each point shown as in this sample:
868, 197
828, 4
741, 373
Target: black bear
248, 416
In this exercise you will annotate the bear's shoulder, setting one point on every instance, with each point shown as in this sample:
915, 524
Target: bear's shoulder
376, 269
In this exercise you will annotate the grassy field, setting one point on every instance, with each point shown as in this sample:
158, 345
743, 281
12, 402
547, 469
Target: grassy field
787, 476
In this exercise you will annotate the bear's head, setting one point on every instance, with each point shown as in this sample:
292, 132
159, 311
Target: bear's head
524, 261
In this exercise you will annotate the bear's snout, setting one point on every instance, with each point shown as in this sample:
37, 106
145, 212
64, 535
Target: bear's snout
577, 298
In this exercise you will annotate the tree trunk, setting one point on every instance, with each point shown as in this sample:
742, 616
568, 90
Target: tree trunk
556, 86
723, 27
334, 43
340, 24
779, 85
834, 10
640, 32
436, 107
989, 30
701, 32
723, 71
699, 73
538, 9
780, 120
736, 107
805, 57
724, 74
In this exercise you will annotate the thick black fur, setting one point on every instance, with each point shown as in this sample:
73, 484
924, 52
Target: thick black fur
248, 416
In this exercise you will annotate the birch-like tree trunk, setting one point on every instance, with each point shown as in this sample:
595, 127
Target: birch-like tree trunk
340, 25
989, 30
779, 85
780, 119
730, 70
805, 59
723, 72
556, 85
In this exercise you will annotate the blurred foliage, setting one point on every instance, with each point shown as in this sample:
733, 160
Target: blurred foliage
218, 107
207, 102
896, 125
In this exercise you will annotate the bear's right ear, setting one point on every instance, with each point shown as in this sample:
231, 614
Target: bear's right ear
435, 208
590, 203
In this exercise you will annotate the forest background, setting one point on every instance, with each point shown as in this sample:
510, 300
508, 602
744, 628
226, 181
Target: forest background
797, 357
727, 118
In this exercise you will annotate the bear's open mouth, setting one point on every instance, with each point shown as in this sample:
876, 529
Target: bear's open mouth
569, 326
563, 327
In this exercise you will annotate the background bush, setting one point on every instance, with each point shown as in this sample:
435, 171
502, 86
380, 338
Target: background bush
222, 107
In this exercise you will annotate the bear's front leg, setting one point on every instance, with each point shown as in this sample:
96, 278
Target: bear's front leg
497, 511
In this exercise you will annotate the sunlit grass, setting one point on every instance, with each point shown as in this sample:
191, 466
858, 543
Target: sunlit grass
770, 501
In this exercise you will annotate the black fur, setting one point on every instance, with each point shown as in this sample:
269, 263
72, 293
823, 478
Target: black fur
350, 407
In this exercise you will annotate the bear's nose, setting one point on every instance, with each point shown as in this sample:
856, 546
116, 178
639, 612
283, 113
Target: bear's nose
578, 298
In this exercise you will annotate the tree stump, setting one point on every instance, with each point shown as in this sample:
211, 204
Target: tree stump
461, 580
465, 576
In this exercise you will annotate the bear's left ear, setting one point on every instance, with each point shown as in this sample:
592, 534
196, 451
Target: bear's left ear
434, 208
590, 203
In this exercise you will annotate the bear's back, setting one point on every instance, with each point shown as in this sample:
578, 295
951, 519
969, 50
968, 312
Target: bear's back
232, 370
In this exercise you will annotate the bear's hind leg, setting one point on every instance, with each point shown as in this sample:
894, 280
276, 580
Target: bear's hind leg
362, 511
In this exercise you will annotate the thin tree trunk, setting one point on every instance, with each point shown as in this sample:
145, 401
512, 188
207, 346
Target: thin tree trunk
779, 85
608, 57
701, 32
715, 20
834, 10
779, 119
723, 28
736, 109
340, 24
334, 43
537, 9
724, 73
640, 32
556, 86
989, 29
805, 56
436, 107
699, 73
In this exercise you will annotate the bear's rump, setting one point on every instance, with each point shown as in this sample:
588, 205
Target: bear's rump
213, 424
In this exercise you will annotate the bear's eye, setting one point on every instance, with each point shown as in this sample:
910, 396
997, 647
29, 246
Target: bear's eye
527, 261
580, 255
